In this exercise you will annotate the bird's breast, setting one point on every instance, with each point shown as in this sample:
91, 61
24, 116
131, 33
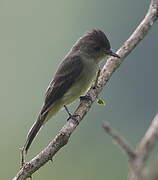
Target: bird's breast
82, 83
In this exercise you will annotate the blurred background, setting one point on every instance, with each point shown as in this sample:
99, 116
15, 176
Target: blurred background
34, 37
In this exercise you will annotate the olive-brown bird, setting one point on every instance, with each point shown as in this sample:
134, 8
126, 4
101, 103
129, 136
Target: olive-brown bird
74, 76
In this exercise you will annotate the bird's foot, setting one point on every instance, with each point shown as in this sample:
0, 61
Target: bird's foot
86, 97
72, 116
22, 157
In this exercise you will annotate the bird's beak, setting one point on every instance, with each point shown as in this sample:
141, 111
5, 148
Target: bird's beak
111, 53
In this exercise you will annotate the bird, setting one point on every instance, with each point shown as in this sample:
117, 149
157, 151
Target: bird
74, 76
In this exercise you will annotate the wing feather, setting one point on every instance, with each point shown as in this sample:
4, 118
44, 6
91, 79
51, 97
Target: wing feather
68, 72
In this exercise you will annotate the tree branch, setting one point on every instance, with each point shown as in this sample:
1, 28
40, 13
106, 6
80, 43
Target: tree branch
137, 157
121, 141
148, 141
143, 150
109, 68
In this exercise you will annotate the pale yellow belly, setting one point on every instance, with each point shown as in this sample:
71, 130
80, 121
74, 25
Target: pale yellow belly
73, 93
80, 87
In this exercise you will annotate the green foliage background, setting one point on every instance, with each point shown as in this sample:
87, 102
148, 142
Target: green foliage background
34, 36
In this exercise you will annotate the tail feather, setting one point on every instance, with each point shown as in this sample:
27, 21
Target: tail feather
33, 132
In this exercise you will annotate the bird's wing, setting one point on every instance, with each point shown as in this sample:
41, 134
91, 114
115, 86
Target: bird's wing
68, 72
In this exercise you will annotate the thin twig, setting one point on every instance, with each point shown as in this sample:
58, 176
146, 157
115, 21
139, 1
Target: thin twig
143, 150
138, 156
109, 68
119, 140
148, 141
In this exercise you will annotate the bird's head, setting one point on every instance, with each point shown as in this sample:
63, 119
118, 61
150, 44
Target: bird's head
95, 45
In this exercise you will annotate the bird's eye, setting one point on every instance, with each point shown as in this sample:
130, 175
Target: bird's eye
97, 48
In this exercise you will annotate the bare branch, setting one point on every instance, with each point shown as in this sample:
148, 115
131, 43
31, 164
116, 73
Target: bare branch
109, 68
120, 141
143, 150
137, 157
148, 141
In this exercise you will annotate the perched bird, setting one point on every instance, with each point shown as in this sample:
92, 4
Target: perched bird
74, 76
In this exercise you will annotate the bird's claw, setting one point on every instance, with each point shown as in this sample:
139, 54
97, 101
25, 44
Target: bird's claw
86, 97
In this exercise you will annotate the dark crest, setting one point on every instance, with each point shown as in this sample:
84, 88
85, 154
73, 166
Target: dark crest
98, 37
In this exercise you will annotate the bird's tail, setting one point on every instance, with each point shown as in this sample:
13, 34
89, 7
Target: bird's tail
33, 132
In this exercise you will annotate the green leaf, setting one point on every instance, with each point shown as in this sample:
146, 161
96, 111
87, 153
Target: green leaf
101, 102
